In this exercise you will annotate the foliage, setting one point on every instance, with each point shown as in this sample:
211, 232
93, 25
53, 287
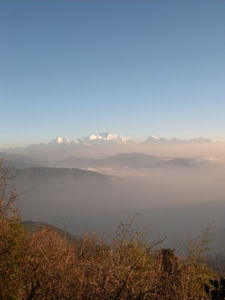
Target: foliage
11, 239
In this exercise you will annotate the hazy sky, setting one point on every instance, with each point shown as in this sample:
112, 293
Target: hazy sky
136, 68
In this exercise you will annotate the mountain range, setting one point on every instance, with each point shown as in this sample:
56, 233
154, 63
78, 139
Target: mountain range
134, 160
113, 138
101, 139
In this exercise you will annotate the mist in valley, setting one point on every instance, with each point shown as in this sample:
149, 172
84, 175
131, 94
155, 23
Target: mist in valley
177, 201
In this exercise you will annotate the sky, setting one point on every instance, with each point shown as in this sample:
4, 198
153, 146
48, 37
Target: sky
136, 68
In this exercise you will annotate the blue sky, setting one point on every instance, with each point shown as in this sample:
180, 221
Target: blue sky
71, 68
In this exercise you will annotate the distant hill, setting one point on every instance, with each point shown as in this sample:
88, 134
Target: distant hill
50, 194
46, 172
129, 160
74, 162
35, 226
18, 161
133, 161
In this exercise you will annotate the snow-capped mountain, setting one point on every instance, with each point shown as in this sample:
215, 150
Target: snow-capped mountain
105, 137
59, 140
161, 140
99, 138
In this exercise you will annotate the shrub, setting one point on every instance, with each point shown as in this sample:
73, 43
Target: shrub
11, 240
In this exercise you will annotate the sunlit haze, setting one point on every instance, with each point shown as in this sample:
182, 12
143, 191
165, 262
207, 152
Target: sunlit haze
112, 108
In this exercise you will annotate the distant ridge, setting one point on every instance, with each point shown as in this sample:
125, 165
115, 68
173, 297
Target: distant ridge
161, 140
33, 227
75, 166
48, 172
19, 161
135, 160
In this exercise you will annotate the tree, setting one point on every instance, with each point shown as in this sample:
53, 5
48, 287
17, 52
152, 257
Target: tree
11, 239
